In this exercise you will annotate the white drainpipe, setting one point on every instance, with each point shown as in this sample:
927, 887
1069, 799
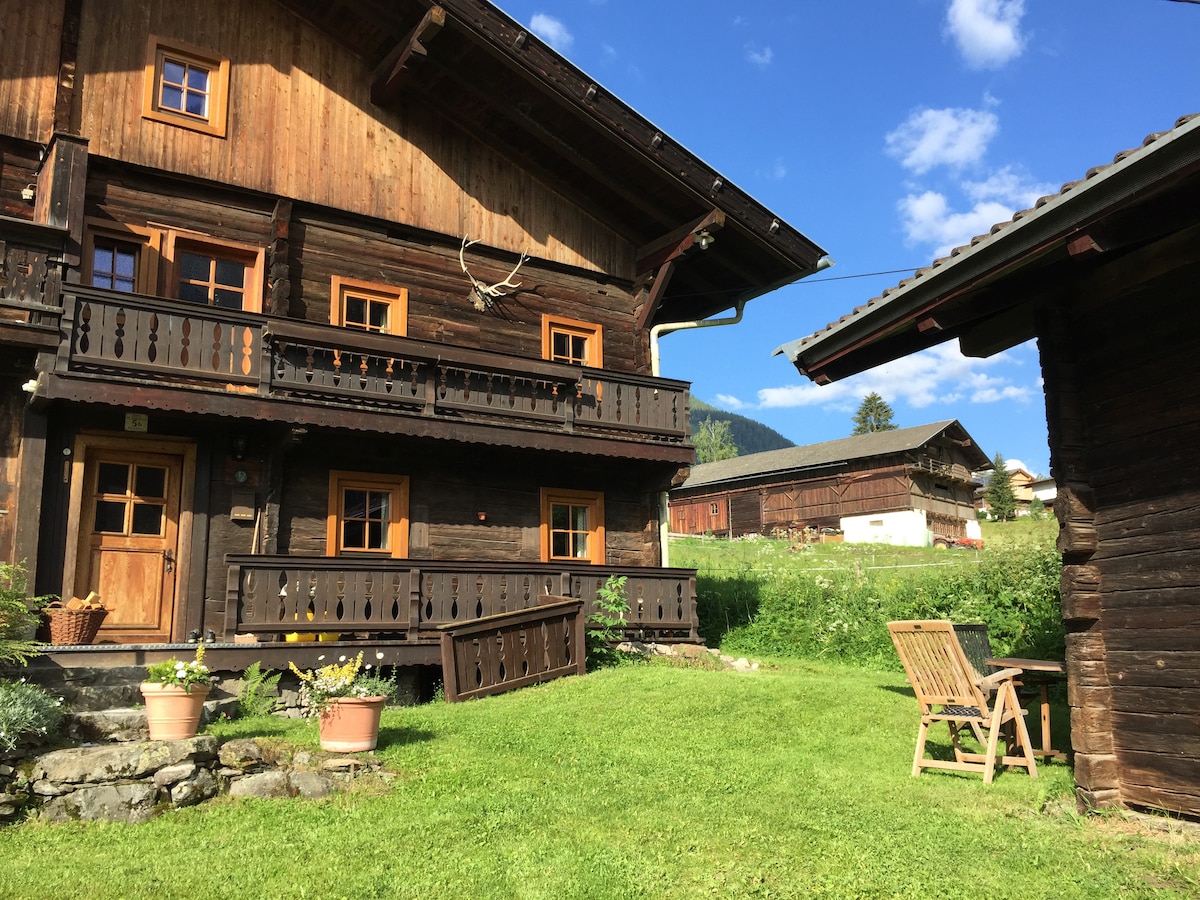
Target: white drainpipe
664, 516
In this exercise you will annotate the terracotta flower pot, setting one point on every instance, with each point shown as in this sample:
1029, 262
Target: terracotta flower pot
351, 724
173, 713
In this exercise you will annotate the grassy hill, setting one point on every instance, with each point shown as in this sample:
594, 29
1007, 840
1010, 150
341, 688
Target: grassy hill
750, 436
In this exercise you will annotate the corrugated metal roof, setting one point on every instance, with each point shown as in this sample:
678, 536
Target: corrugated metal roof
859, 446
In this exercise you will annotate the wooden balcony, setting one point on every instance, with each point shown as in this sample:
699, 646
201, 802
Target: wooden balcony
233, 363
411, 600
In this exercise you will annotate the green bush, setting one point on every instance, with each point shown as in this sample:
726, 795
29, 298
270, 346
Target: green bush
26, 709
842, 614
605, 622
17, 615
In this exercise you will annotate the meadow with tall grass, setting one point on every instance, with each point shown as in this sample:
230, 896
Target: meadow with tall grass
760, 596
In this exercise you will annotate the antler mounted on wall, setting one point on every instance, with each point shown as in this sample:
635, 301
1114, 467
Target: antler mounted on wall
484, 296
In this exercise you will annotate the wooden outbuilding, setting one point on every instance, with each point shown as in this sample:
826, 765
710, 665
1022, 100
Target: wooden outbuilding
336, 320
901, 487
1103, 274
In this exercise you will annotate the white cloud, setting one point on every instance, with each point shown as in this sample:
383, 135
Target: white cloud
987, 32
939, 375
942, 137
552, 31
928, 219
725, 401
1008, 187
761, 58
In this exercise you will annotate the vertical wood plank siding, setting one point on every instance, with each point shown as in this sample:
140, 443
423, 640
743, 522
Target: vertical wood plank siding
301, 126
29, 67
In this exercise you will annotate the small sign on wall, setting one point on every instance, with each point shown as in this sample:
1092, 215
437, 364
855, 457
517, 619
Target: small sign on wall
242, 505
136, 421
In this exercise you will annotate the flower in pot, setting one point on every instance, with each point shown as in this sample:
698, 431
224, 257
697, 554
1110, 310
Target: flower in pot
174, 691
347, 699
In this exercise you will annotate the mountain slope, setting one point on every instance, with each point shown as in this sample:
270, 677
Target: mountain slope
748, 435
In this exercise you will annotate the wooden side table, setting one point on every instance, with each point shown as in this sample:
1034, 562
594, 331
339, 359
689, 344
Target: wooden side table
1044, 671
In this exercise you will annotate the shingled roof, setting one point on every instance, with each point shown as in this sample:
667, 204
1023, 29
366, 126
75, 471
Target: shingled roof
831, 453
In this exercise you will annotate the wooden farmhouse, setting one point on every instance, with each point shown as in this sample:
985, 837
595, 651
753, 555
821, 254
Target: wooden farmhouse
338, 320
898, 487
1103, 275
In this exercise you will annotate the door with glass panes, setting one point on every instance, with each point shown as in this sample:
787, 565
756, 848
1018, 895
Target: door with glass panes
128, 540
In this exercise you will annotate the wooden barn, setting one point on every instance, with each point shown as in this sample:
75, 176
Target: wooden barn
1103, 275
900, 487
336, 320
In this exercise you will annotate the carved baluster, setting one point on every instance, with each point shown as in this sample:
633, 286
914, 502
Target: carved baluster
217, 343
119, 334
152, 339
185, 341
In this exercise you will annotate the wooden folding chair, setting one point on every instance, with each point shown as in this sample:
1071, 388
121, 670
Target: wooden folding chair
948, 691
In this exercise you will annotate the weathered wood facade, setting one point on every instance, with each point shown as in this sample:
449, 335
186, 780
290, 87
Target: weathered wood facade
788, 492
1104, 275
338, 321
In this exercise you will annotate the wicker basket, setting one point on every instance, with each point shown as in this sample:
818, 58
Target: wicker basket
74, 626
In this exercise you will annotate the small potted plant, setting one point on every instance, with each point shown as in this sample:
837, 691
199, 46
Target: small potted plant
347, 699
174, 691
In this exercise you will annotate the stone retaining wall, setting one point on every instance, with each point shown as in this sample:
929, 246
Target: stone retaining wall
135, 780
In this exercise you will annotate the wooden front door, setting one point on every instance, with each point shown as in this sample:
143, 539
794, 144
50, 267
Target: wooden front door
129, 503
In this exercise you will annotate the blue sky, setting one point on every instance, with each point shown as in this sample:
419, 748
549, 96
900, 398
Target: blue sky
888, 131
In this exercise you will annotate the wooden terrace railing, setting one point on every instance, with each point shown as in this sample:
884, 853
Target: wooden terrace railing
408, 600
515, 649
205, 347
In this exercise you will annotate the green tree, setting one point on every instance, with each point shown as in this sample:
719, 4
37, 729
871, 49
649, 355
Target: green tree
874, 414
999, 492
713, 441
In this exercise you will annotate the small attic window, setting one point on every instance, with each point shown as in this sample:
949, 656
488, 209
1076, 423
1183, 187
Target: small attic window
186, 86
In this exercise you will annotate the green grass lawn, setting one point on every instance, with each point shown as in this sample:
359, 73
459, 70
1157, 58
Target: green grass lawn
637, 781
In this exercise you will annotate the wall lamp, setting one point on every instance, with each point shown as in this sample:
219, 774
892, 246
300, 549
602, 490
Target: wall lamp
704, 239
240, 443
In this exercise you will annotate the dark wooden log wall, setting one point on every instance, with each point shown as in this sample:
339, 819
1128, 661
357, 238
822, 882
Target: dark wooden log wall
438, 308
301, 126
319, 249
449, 485
18, 168
1123, 406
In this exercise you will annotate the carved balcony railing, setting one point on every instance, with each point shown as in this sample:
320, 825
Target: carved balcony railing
408, 600
30, 270
137, 337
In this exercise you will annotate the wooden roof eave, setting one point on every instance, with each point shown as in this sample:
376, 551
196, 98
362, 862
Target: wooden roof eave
778, 250
891, 326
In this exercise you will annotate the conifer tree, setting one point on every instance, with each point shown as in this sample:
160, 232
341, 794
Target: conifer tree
999, 492
874, 414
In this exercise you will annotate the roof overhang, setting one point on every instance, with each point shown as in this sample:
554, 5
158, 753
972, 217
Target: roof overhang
492, 78
987, 294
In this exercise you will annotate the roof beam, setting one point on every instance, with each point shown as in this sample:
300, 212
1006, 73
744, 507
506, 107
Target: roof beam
398, 65
658, 290
675, 244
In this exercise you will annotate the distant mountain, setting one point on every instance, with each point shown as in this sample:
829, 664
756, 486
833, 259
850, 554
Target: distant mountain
750, 436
